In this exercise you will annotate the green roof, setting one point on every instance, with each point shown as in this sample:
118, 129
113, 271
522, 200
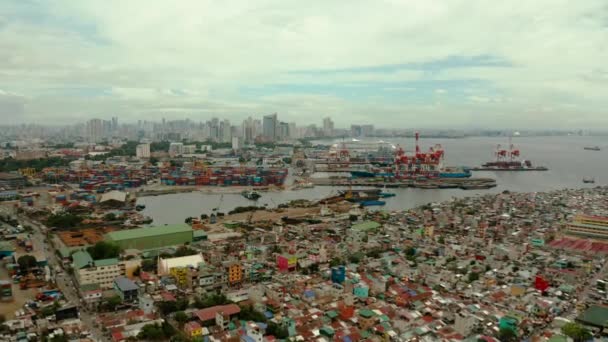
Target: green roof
7, 246
366, 313
81, 259
596, 316
89, 287
64, 252
332, 314
129, 234
364, 226
106, 262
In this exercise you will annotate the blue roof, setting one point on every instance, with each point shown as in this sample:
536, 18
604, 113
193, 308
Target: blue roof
268, 314
346, 339
248, 338
309, 293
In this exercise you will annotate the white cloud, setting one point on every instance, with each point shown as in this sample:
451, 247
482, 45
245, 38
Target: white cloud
195, 56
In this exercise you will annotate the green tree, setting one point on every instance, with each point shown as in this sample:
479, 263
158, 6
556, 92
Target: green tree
148, 265
507, 335
473, 276
278, 331
111, 303
576, 331
152, 332
336, 262
181, 318
441, 240
411, 251
184, 251
109, 217
104, 250
27, 262
63, 220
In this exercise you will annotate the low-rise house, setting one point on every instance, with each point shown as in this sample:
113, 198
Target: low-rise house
126, 289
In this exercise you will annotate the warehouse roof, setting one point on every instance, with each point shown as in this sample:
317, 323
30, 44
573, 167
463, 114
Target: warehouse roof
148, 232
596, 315
82, 259
115, 195
165, 265
365, 226
125, 284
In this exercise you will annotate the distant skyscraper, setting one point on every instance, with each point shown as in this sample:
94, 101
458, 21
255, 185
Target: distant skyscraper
270, 127
114, 124
176, 149
283, 131
355, 130
293, 130
142, 151
95, 130
225, 131
328, 127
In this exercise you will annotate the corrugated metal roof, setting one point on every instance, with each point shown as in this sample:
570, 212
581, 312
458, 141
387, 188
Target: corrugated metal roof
106, 262
115, 195
82, 259
366, 225
148, 232
125, 284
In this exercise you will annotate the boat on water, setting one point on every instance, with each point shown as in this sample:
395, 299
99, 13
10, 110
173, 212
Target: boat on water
455, 172
140, 207
387, 194
357, 196
592, 148
588, 180
370, 174
372, 203
508, 160
251, 195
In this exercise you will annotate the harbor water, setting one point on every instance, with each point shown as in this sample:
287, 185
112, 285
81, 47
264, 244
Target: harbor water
565, 157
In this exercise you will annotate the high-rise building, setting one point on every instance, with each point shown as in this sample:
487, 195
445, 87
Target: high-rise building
114, 124
270, 127
225, 132
142, 151
293, 131
328, 127
367, 130
283, 131
176, 149
236, 143
355, 130
95, 130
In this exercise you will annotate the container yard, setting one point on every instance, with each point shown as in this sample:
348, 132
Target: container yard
224, 176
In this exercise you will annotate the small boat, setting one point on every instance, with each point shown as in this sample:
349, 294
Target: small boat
588, 180
140, 207
387, 194
592, 148
251, 195
372, 203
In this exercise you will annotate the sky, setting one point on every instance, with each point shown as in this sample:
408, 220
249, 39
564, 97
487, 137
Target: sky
392, 63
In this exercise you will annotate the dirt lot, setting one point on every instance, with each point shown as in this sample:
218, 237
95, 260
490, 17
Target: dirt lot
19, 296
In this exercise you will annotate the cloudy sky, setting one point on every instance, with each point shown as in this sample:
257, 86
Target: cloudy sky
394, 63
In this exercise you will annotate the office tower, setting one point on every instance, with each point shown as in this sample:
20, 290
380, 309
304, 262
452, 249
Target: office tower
225, 131
95, 130
328, 127
270, 127
176, 149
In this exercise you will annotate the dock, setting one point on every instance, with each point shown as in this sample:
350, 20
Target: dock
437, 183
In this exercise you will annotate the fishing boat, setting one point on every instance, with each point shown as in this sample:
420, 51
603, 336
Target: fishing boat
372, 203
251, 195
387, 194
588, 180
592, 148
140, 207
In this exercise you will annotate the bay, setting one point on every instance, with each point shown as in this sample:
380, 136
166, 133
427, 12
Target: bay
565, 157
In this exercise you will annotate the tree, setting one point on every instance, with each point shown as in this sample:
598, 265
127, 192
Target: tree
63, 220
151, 332
181, 318
27, 262
278, 331
507, 335
576, 331
441, 240
110, 217
104, 250
473, 276
111, 303
336, 262
148, 265
411, 251
184, 251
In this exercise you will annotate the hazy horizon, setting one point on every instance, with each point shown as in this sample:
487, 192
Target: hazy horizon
462, 64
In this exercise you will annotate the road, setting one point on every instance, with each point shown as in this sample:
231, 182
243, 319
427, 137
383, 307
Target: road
64, 282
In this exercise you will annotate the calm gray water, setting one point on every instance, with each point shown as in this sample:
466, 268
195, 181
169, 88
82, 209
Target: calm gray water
568, 163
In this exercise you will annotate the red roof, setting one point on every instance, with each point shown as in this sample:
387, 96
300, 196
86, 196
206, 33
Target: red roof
191, 326
209, 313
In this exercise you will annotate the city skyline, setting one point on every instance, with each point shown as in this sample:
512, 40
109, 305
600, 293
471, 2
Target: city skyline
429, 63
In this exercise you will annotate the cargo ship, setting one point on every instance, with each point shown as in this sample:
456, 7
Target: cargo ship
508, 160
592, 148
455, 172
